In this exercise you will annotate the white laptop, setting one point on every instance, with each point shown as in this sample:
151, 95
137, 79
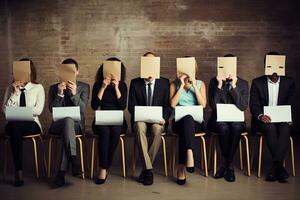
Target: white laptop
229, 113
19, 113
109, 117
67, 111
149, 114
195, 111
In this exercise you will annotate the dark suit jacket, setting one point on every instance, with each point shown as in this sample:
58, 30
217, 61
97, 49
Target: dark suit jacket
80, 99
237, 96
259, 96
161, 95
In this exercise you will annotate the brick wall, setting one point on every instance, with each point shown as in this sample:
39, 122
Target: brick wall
91, 31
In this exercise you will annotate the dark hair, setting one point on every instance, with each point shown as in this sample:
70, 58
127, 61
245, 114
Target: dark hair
149, 52
32, 70
70, 61
229, 55
99, 76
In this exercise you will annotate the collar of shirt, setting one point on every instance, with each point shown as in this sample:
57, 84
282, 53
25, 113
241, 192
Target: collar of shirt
270, 81
28, 86
152, 82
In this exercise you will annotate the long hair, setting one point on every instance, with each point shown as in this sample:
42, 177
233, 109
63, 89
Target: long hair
99, 76
32, 70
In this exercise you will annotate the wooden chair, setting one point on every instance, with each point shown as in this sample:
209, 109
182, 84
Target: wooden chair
163, 142
78, 138
260, 150
213, 142
203, 154
122, 138
33, 138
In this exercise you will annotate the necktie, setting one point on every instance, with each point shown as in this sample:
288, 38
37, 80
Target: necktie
22, 98
149, 96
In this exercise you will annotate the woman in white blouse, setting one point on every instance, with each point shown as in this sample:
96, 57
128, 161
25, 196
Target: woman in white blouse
30, 94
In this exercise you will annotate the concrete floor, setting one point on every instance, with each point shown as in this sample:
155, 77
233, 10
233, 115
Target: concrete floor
116, 187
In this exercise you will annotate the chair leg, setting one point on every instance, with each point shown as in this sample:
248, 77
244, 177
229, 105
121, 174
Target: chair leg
215, 156
93, 157
204, 155
292, 157
283, 163
201, 156
241, 155
5, 157
133, 158
81, 156
35, 157
123, 156
49, 156
165, 155
247, 155
260, 156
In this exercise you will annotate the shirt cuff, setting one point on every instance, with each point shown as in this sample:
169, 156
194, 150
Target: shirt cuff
258, 117
62, 96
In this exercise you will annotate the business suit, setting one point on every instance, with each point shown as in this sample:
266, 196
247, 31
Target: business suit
228, 132
276, 134
67, 127
138, 97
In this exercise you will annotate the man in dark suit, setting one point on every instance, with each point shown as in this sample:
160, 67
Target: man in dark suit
149, 92
227, 90
68, 94
272, 90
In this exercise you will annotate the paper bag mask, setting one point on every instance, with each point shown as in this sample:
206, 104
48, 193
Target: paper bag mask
21, 71
112, 69
66, 72
150, 67
227, 66
275, 64
186, 66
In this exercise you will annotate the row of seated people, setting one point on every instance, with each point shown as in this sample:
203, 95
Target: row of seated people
111, 94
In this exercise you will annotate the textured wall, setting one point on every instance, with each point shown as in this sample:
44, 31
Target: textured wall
91, 31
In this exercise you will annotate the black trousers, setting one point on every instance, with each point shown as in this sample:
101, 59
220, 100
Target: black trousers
277, 137
186, 129
229, 134
16, 130
108, 141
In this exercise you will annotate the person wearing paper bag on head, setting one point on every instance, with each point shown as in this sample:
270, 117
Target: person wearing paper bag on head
24, 91
109, 93
62, 94
227, 88
272, 89
187, 91
149, 91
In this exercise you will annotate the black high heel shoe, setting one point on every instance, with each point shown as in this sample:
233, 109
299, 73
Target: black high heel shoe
100, 181
181, 181
190, 169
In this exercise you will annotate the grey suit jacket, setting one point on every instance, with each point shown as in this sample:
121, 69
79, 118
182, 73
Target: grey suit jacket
80, 99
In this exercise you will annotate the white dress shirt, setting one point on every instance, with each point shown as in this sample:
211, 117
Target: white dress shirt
34, 96
152, 88
273, 89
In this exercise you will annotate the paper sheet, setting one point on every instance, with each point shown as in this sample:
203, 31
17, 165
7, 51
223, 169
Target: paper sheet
195, 111
68, 111
186, 66
227, 66
275, 64
66, 72
19, 113
21, 71
112, 69
150, 114
109, 117
279, 113
229, 113
150, 67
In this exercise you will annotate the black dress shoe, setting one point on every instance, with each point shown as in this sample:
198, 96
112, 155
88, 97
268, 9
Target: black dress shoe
141, 177
271, 175
99, 181
220, 173
281, 174
18, 183
148, 177
59, 180
229, 175
76, 169
181, 181
190, 169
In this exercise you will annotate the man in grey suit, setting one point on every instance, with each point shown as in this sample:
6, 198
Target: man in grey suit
68, 94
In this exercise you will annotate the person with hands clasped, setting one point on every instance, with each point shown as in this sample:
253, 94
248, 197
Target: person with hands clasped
186, 91
63, 94
108, 94
23, 94
227, 90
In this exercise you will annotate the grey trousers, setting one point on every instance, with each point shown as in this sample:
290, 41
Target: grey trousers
68, 129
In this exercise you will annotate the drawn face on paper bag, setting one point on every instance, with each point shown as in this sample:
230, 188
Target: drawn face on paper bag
275, 64
227, 67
